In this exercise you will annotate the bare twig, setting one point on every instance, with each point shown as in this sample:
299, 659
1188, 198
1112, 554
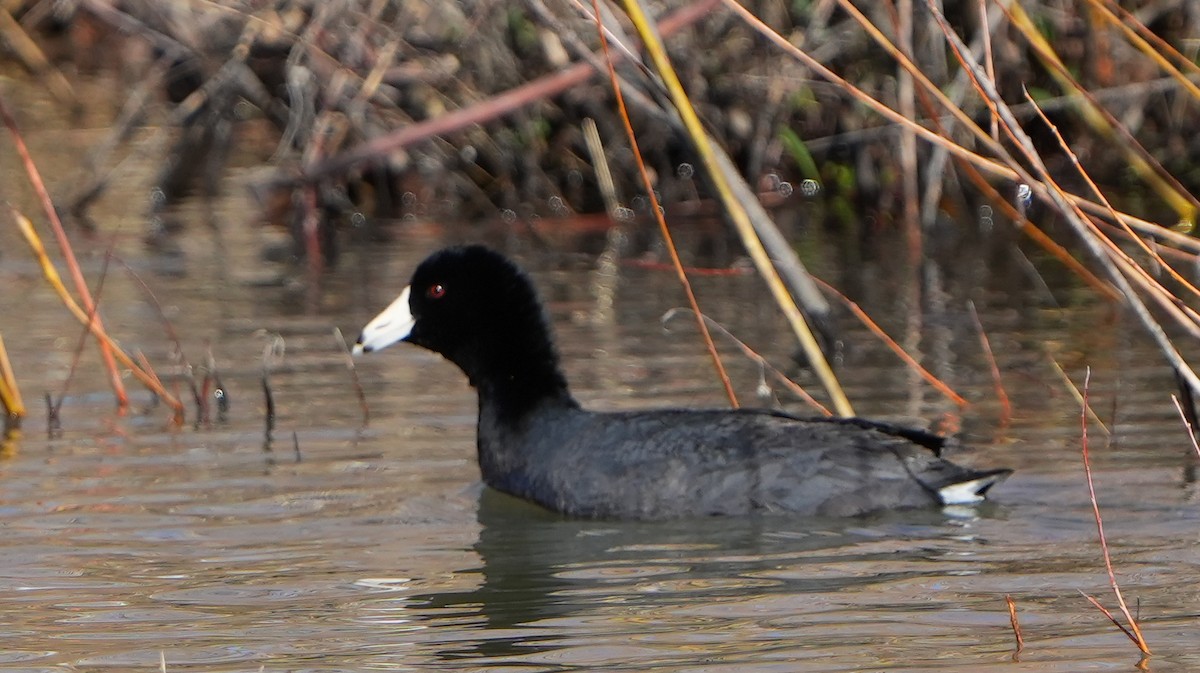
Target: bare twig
1112, 618
1007, 168
97, 330
189, 374
28, 51
53, 420
1016, 626
895, 347
35, 178
1075, 392
1102, 121
492, 108
985, 32
1136, 635
902, 11
10, 394
728, 186
1005, 405
272, 353
656, 211
1105, 202
83, 335
762, 362
1096, 244
358, 389
1187, 424
604, 178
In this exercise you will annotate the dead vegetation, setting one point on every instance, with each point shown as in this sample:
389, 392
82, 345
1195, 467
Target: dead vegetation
385, 107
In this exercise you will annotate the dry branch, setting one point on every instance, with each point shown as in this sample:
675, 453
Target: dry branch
1136, 635
86, 317
10, 393
648, 186
738, 208
1064, 203
1016, 625
64, 244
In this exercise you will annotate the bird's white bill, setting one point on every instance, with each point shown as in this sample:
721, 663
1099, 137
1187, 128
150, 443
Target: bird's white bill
393, 324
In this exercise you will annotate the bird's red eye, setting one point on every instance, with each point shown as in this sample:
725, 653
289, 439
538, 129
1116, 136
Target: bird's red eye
436, 291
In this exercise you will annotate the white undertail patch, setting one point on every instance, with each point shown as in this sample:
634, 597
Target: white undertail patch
967, 492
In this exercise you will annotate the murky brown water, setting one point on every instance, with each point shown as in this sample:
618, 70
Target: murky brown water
337, 547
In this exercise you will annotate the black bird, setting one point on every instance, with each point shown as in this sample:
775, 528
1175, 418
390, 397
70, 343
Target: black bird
481, 312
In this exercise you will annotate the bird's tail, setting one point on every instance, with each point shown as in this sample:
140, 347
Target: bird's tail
971, 488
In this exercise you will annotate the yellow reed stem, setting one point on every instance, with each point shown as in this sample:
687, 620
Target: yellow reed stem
737, 214
88, 320
10, 394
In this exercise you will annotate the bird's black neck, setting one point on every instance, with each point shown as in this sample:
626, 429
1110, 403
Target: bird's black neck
515, 371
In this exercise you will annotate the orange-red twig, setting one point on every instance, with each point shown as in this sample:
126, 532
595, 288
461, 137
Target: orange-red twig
1150, 251
169, 329
1111, 617
64, 244
657, 211
358, 389
762, 362
83, 336
1136, 635
496, 106
1016, 626
1187, 424
891, 343
51, 274
1005, 405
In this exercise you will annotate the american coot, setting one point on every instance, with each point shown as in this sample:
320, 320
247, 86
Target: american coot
481, 312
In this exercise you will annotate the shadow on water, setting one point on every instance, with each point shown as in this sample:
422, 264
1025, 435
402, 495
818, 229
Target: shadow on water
543, 576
